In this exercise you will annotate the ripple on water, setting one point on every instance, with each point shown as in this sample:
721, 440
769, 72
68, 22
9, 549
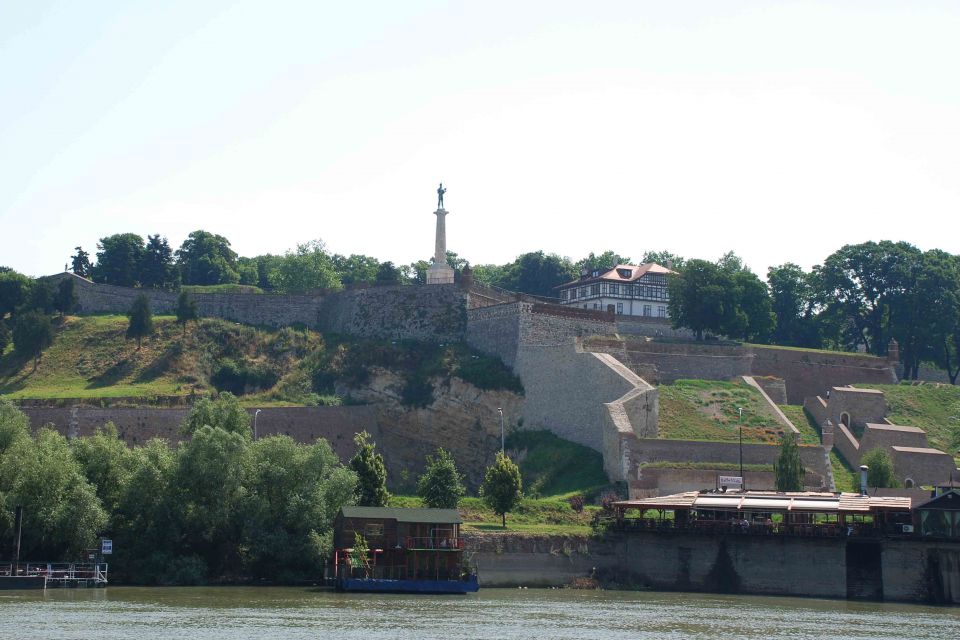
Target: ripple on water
263, 613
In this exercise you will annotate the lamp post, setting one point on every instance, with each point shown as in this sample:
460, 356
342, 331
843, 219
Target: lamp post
502, 441
740, 429
255, 414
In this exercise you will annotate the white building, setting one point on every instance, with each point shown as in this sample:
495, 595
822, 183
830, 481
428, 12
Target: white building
632, 290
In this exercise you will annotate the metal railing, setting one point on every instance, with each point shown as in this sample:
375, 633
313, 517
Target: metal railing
65, 572
809, 530
436, 542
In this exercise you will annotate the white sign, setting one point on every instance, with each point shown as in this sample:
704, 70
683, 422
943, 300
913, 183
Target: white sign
106, 547
731, 481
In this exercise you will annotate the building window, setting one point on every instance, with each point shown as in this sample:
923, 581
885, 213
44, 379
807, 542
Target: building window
595, 289
583, 292
373, 530
596, 306
573, 294
614, 289
661, 312
584, 305
619, 308
647, 310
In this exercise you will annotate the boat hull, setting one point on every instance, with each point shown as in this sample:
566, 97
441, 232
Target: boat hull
376, 585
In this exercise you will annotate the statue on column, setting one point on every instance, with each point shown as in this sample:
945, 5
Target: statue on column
440, 193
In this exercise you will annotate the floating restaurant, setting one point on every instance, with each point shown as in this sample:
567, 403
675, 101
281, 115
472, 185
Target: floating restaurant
769, 513
401, 551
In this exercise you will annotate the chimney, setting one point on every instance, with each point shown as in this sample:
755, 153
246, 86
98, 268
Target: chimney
863, 479
584, 272
893, 351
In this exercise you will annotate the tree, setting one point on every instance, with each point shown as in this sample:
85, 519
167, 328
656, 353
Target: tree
307, 268
441, 485
387, 273
880, 473
66, 297
118, 259
788, 469
355, 268
80, 263
186, 310
753, 300
700, 298
14, 425
205, 258
107, 463
792, 303
14, 289
4, 336
371, 473
141, 319
41, 297
606, 260
665, 259
502, 487
537, 274
157, 269
32, 333
223, 413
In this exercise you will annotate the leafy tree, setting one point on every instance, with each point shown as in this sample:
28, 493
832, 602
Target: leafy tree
417, 272
537, 274
80, 263
247, 268
441, 485
107, 464
387, 273
502, 487
223, 413
371, 473
32, 333
186, 310
788, 469
488, 274
66, 298
792, 303
4, 336
14, 290
157, 268
309, 267
880, 473
753, 300
700, 298
41, 297
118, 259
61, 509
355, 268
14, 425
141, 319
606, 260
665, 259
205, 258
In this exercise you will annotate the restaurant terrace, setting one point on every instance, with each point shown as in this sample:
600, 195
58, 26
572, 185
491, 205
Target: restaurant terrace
769, 513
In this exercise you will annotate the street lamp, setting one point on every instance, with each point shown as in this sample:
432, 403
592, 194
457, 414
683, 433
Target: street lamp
255, 414
502, 441
740, 428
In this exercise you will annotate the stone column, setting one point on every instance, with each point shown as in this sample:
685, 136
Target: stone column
440, 272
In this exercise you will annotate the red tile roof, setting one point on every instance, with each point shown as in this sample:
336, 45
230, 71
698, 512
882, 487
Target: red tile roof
613, 275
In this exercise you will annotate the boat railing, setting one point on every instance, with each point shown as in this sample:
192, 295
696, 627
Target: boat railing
442, 543
734, 527
405, 572
95, 573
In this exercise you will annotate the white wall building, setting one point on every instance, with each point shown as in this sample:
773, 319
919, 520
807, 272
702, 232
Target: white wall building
632, 290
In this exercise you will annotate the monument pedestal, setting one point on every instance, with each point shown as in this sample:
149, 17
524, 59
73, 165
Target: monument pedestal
440, 274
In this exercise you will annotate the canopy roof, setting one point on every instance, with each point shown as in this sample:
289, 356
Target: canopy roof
808, 501
429, 516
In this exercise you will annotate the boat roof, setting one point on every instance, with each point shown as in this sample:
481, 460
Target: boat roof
402, 514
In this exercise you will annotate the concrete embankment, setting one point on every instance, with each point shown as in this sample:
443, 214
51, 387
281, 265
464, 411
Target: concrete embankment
909, 570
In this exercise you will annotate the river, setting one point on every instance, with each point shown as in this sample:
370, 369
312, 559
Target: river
214, 613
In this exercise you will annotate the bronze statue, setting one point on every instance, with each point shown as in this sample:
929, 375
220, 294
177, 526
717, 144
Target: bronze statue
440, 193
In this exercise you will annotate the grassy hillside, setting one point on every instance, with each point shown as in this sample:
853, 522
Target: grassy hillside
935, 408
707, 410
90, 358
542, 516
552, 466
803, 421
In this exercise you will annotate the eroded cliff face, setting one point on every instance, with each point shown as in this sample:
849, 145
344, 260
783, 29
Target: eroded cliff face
462, 419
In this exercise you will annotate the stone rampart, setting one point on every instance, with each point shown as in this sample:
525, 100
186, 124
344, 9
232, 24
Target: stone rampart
495, 330
673, 361
650, 327
921, 466
812, 373
775, 388
660, 481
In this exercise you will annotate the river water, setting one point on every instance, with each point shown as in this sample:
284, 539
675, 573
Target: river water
214, 613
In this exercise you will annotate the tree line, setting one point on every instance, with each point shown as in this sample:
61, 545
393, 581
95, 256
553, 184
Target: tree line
218, 506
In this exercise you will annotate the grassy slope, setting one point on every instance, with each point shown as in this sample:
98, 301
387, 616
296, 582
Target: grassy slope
552, 466
90, 357
933, 408
707, 410
809, 431
543, 515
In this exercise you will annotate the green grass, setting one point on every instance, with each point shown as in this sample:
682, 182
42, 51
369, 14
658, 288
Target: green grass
221, 288
803, 421
843, 475
707, 410
932, 407
552, 466
541, 516
90, 358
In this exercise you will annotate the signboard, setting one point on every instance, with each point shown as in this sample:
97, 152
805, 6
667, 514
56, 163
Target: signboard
106, 546
730, 481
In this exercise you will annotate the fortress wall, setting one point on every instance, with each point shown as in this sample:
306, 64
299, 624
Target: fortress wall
495, 330
661, 450
925, 468
812, 373
137, 425
429, 313
816, 406
676, 361
650, 327
775, 388
658, 481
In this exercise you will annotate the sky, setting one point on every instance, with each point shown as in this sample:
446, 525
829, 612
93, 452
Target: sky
778, 130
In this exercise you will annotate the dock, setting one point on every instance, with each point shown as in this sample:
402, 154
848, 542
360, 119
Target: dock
41, 575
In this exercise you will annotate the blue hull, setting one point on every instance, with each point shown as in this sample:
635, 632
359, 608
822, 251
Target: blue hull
374, 585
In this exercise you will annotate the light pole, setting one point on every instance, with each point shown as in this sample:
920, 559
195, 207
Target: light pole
740, 428
255, 414
502, 441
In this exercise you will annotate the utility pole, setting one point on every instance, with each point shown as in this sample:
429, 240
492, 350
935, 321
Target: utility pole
740, 428
17, 528
255, 414
503, 448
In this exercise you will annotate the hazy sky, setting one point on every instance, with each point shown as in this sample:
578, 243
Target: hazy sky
780, 130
